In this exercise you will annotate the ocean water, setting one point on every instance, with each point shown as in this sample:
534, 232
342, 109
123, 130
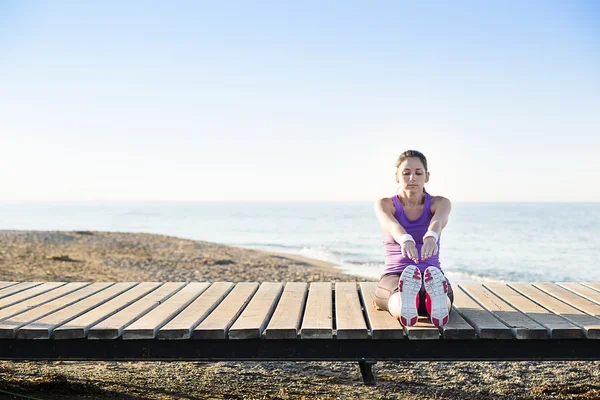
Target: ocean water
482, 241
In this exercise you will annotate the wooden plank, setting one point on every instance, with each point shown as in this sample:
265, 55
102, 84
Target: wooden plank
40, 300
78, 327
589, 324
19, 287
569, 297
381, 324
318, 315
520, 324
4, 284
183, 325
485, 324
253, 320
557, 327
285, 322
147, 326
9, 327
593, 285
422, 330
29, 293
112, 327
44, 327
457, 328
582, 290
349, 320
216, 325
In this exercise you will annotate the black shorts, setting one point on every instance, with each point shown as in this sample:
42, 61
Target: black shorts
388, 285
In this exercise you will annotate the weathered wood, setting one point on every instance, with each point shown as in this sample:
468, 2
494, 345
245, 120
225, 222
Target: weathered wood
9, 327
217, 324
589, 324
19, 287
485, 324
317, 322
593, 285
520, 324
65, 311
147, 326
349, 320
78, 327
457, 328
40, 300
285, 322
253, 320
29, 293
381, 324
44, 327
112, 327
422, 330
4, 284
581, 290
182, 326
557, 327
569, 297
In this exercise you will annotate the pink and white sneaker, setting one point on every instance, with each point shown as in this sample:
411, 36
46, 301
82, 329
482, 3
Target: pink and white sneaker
409, 286
436, 287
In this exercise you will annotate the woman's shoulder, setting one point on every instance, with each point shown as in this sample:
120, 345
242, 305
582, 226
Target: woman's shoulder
438, 202
386, 203
437, 199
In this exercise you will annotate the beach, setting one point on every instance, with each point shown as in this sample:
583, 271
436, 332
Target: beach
113, 256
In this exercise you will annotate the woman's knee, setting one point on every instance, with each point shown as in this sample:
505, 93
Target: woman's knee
387, 286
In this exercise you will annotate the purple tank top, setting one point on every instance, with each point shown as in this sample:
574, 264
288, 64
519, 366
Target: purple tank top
394, 262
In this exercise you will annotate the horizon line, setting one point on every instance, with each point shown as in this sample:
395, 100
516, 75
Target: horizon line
275, 201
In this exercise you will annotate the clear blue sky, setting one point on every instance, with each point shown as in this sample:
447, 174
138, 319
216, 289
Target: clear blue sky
306, 101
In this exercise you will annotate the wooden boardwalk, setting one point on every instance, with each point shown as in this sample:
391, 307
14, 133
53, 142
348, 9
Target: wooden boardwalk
299, 311
321, 321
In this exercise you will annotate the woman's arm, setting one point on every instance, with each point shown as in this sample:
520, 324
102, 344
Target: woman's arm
385, 215
440, 208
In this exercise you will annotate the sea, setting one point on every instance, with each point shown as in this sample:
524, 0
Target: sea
526, 242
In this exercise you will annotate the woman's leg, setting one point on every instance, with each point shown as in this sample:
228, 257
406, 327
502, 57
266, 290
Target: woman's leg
398, 294
386, 288
394, 305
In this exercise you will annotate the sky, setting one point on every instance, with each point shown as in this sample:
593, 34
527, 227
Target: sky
303, 101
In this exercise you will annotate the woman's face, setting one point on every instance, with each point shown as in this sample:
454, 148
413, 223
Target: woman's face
411, 175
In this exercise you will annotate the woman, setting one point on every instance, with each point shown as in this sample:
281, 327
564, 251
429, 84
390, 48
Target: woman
412, 283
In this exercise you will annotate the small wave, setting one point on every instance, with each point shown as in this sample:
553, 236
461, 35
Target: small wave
366, 270
364, 261
459, 276
139, 214
268, 245
341, 255
494, 275
321, 253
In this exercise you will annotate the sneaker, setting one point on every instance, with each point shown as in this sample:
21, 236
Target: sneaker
436, 288
409, 286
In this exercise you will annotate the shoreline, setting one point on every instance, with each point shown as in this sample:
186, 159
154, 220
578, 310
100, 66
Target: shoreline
94, 255
313, 262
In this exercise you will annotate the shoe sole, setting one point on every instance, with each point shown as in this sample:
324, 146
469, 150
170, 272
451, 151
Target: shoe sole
436, 287
409, 286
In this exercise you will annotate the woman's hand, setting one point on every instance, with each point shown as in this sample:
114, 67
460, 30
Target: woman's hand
429, 249
409, 250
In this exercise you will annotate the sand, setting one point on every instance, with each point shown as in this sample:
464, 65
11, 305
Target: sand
103, 256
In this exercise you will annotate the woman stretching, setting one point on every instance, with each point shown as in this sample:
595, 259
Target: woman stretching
413, 283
